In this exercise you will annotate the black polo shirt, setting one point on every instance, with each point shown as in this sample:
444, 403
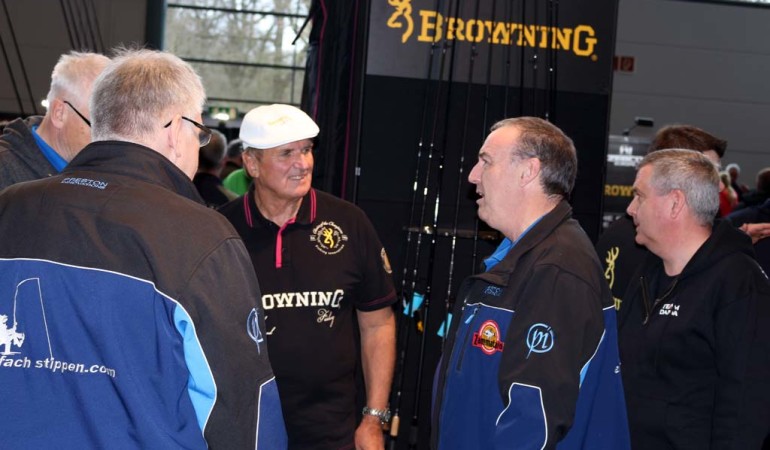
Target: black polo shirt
314, 272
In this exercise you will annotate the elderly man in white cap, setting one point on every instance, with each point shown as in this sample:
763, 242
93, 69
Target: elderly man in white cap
318, 260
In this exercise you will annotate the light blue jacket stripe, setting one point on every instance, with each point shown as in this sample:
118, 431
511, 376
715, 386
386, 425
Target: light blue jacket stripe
201, 386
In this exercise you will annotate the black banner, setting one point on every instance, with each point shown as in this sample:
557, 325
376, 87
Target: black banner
580, 35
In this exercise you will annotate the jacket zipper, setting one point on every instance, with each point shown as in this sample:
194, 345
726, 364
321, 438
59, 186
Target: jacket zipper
645, 300
645, 296
465, 337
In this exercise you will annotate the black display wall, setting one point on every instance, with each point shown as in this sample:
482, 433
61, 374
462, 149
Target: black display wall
424, 81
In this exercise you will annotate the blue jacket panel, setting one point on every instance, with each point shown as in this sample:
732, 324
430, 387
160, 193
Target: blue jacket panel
600, 415
76, 361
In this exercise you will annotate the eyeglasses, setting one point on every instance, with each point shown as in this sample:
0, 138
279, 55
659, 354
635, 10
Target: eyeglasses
203, 138
88, 122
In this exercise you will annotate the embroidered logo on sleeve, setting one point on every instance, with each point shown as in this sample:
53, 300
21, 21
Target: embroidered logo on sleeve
385, 261
540, 339
252, 327
329, 238
488, 338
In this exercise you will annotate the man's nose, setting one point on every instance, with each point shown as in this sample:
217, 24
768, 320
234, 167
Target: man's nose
473, 177
303, 160
631, 210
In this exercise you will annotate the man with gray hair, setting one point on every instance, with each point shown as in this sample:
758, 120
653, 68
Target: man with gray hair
38, 147
134, 307
327, 287
531, 358
695, 323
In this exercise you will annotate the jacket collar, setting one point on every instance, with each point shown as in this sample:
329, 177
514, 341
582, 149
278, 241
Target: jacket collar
134, 161
724, 240
21, 142
500, 274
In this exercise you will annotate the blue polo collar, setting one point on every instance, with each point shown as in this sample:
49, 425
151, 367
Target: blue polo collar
505, 246
50, 154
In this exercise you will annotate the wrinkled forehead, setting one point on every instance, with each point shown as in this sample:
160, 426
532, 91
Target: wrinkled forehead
500, 143
296, 145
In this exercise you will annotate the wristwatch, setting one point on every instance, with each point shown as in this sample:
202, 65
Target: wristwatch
382, 414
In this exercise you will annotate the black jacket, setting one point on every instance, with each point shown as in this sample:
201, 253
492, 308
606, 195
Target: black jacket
147, 296
20, 157
696, 368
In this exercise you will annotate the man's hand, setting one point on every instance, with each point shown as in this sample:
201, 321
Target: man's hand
369, 434
757, 231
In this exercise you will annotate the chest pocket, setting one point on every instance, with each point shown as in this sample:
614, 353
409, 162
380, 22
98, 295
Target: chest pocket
472, 375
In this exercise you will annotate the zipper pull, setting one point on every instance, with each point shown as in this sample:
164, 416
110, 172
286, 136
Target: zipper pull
473, 314
645, 300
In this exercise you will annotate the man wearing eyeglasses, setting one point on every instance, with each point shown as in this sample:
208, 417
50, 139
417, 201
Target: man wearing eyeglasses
38, 147
133, 315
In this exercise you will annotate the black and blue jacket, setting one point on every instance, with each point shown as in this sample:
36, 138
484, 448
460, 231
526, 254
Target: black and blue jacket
532, 360
129, 314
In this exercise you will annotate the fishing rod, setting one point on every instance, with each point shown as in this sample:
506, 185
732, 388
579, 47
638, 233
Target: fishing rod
535, 65
552, 59
444, 330
485, 116
413, 435
522, 57
507, 71
407, 300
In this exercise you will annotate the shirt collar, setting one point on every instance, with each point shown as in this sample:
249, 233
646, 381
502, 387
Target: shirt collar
50, 154
306, 214
505, 246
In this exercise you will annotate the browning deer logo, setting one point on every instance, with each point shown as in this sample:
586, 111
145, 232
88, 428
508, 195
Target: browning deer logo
329, 238
403, 10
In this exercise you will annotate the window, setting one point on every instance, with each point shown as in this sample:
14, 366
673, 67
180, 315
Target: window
761, 3
247, 52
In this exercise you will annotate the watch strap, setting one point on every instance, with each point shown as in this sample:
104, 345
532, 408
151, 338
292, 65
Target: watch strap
382, 414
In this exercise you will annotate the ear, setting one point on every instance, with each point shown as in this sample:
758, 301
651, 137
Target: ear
173, 135
251, 164
530, 171
678, 202
56, 112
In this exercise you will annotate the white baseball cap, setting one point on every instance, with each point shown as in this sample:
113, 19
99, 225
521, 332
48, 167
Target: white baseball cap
273, 125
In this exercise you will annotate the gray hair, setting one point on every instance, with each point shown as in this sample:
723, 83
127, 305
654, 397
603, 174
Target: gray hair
690, 172
73, 75
140, 91
542, 140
